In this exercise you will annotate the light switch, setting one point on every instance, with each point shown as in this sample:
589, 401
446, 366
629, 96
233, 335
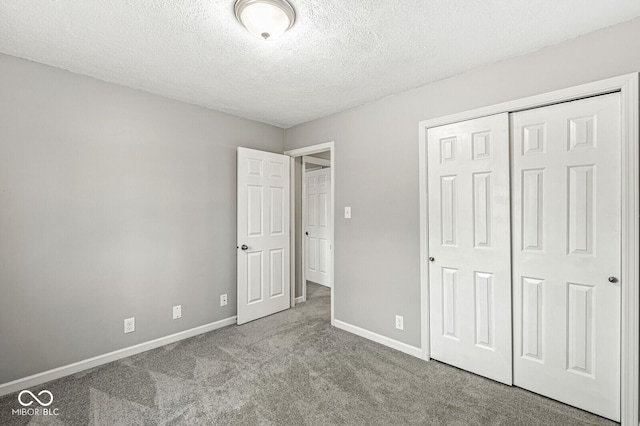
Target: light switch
347, 212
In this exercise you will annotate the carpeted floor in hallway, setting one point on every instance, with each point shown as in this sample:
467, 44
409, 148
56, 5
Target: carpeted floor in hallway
290, 368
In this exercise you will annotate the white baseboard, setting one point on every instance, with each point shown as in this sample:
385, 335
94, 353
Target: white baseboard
56, 373
299, 299
378, 338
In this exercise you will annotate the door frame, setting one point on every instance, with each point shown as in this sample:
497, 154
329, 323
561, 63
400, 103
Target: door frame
306, 159
300, 152
628, 87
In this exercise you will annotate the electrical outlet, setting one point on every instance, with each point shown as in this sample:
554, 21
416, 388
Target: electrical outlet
177, 312
129, 325
399, 322
223, 300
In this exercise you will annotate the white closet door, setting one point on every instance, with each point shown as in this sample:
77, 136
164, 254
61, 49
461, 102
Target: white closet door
469, 242
318, 221
566, 245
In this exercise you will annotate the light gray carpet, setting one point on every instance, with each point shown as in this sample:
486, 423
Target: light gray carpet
291, 368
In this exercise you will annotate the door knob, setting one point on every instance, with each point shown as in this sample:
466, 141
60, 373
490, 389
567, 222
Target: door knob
613, 280
244, 247
306, 233
432, 259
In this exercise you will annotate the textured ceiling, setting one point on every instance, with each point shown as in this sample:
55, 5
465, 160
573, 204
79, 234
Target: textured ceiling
339, 54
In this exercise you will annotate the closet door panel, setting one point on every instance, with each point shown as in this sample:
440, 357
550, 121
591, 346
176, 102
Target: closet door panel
566, 245
469, 240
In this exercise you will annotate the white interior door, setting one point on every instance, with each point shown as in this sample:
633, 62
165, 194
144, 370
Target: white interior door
318, 223
566, 222
263, 234
469, 246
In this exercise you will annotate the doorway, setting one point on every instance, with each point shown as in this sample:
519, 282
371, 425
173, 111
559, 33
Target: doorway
316, 158
316, 220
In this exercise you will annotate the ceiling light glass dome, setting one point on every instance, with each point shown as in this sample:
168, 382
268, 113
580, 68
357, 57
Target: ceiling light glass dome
265, 19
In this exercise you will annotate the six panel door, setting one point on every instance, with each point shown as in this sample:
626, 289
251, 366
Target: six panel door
469, 244
263, 279
566, 245
318, 222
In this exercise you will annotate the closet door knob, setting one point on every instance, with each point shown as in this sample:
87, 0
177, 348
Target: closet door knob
613, 280
432, 259
244, 247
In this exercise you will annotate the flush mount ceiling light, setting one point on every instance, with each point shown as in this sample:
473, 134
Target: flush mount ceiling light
265, 19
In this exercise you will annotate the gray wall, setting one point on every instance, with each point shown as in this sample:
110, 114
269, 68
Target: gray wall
113, 203
325, 155
377, 251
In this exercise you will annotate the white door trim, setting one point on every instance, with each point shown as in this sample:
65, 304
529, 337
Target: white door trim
628, 86
300, 152
303, 224
321, 162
